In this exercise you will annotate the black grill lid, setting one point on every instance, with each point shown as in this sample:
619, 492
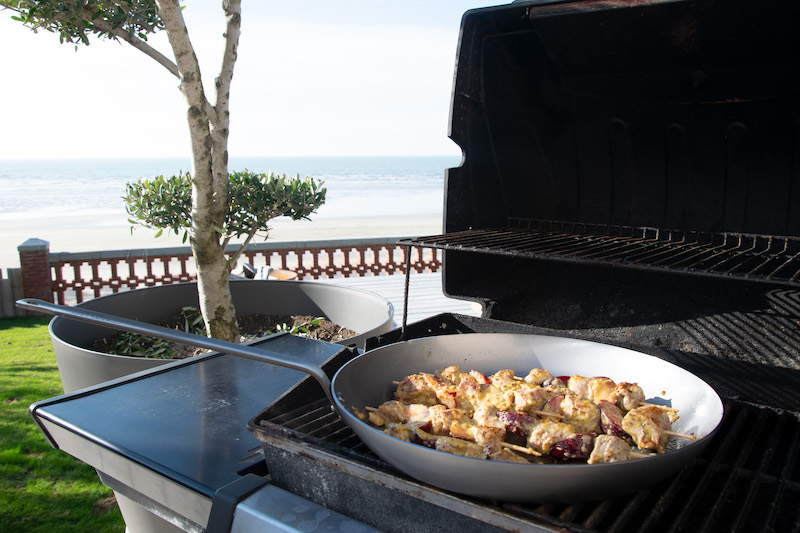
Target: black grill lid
660, 135
670, 114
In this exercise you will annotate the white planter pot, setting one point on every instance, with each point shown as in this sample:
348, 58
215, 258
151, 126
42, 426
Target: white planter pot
79, 366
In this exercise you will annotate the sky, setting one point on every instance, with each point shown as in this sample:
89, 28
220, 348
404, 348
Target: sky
313, 78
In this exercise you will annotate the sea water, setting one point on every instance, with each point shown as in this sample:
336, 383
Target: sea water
357, 186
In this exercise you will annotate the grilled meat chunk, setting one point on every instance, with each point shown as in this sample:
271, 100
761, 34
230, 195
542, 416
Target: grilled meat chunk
581, 413
416, 389
627, 396
490, 438
530, 399
460, 447
545, 434
507, 456
609, 449
646, 426
539, 377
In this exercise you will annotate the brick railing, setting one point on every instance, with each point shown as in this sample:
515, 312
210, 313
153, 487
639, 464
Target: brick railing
72, 277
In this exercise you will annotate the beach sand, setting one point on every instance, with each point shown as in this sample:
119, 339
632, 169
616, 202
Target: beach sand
92, 233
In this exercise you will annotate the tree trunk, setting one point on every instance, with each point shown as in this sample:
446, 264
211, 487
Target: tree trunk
208, 131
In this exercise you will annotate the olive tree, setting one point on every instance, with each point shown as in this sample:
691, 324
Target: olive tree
131, 21
254, 200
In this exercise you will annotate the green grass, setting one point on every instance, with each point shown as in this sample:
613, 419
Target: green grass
41, 489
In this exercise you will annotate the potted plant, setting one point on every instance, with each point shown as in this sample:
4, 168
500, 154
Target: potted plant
165, 204
81, 365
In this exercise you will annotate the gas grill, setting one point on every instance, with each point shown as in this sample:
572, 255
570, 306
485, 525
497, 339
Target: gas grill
630, 177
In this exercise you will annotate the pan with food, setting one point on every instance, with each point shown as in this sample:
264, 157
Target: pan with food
370, 380
367, 380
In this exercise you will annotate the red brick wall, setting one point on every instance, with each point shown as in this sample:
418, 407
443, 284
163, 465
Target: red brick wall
35, 269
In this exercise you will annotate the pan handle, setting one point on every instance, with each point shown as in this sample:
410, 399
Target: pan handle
160, 332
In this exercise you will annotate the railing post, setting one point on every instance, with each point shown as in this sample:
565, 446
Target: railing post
35, 267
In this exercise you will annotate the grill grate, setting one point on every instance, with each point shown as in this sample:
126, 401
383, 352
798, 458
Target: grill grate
747, 479
754, 257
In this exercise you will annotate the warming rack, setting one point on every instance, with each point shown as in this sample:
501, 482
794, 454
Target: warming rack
766, 258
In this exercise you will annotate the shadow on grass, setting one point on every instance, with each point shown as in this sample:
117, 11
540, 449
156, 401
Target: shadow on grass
23, 322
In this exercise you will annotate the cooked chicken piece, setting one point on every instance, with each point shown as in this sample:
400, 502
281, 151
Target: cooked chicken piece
507, 456
401, 431
451, 374
594, 389
490, 438
486, 415
491, 395
480, 378
416, 414
416, 389
579, 385
627, 396
673, 415
504, 380
468, 383
581, 413
460, 447
530, 399
611, 419
646, 425
389, 412
441, 443
537, 376
600, 388
435, 419
441, 418
546, 433
453, 397
609, 449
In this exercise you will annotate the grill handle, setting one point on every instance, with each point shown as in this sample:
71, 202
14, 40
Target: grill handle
160, 332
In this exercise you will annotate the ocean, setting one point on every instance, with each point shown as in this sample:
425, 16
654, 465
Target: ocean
357, 186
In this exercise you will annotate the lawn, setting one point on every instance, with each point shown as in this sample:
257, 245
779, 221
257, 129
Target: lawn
41, 489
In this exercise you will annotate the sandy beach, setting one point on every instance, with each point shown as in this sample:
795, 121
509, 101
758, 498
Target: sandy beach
91, 233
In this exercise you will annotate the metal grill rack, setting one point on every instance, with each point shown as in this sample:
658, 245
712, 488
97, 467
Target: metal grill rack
751, 460
765, 258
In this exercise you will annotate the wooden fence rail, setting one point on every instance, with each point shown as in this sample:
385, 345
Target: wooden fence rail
69, 278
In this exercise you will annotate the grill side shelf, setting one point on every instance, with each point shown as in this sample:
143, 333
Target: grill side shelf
766, 258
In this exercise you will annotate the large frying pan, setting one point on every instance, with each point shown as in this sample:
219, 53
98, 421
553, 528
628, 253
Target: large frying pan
367, 381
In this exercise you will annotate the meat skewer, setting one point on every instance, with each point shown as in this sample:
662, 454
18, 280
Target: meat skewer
470, 413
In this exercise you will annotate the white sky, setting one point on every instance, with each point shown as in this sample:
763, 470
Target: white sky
352, 77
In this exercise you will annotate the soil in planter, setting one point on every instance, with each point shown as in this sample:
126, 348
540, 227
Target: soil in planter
251, 327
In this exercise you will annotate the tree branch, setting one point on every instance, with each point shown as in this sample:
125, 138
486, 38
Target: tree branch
105, 27
220, 124
233, 29
191, 83
239, 252
135, 42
